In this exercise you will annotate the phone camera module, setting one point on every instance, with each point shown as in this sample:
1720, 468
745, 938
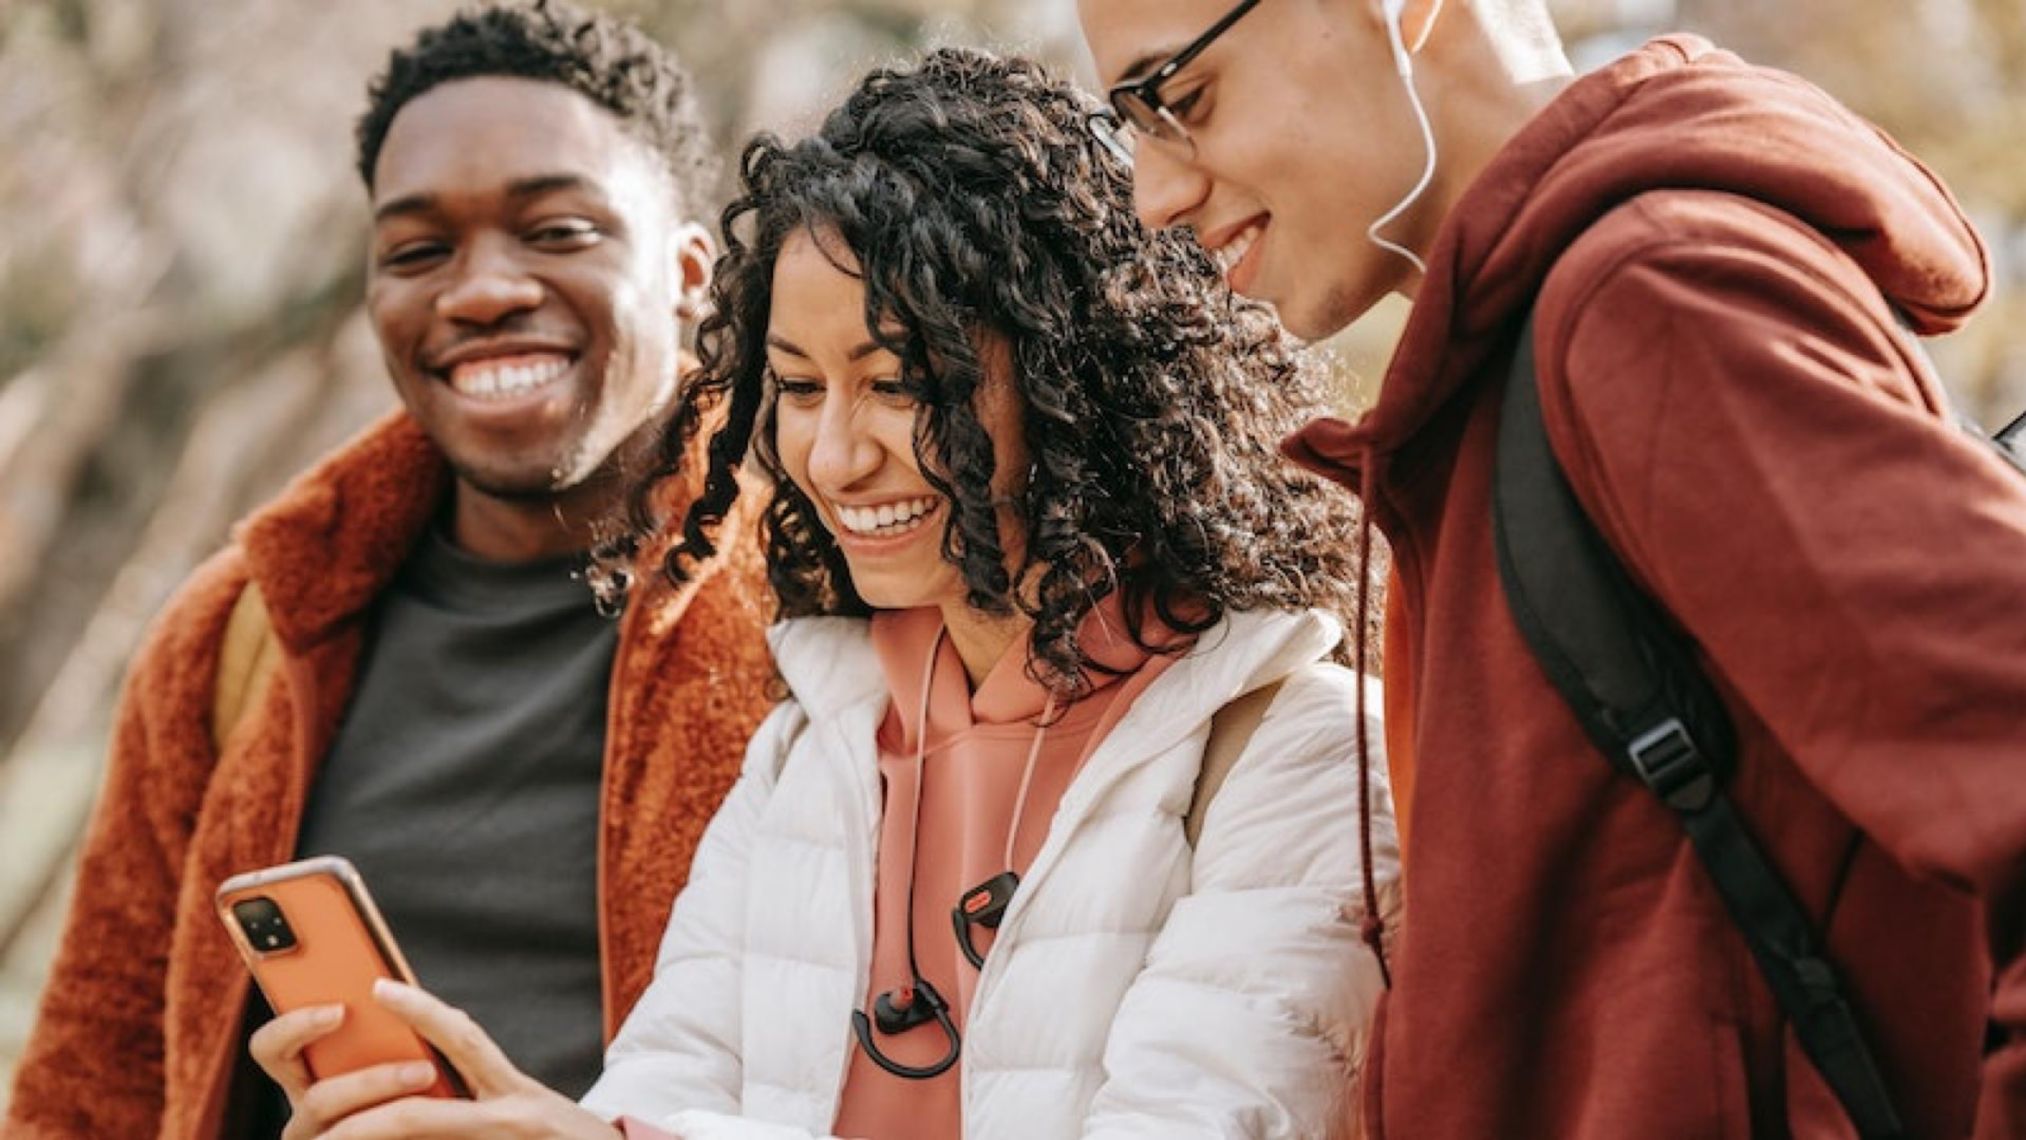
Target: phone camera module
262, 922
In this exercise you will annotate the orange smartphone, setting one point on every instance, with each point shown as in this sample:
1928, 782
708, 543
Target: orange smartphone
311, 936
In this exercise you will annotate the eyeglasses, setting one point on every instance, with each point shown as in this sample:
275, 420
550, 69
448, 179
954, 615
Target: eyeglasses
1138, 103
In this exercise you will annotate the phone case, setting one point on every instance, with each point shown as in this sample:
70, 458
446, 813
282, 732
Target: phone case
341, 947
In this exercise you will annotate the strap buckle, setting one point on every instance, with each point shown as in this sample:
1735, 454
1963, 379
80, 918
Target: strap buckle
1666, 760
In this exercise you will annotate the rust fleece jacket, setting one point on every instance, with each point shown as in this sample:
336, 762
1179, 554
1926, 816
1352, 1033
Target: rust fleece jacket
140, 1024
1708, 243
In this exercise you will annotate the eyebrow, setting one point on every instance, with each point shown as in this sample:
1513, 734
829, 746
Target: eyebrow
860, 353
1145, 65
533, 186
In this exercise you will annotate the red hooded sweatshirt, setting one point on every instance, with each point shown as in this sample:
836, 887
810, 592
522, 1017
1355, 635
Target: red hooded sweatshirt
1716, 252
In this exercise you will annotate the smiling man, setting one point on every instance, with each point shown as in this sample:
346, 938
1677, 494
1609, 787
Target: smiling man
520, 778
1722, 267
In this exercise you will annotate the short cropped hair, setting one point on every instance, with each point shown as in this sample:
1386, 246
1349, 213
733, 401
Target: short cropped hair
600, 56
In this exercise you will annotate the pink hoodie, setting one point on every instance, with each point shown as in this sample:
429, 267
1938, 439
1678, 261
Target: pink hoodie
994, 765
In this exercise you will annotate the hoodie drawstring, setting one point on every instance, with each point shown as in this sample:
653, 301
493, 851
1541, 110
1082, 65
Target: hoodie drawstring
1372, 927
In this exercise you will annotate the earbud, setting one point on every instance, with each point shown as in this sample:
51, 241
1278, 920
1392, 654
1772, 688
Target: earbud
983, 905
1395, 12
897, 1011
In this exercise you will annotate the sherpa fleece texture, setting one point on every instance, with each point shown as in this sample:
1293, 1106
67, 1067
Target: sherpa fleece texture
139, 1029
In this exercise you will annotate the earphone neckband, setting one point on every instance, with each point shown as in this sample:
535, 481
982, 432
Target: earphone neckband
985, 904
918, 1002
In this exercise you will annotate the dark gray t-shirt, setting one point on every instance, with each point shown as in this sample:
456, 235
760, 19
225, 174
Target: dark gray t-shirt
464, 784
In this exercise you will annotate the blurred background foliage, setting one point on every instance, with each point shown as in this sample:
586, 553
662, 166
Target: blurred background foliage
181, 247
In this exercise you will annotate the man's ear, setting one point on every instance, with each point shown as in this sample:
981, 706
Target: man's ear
1417, 19
1420, 21
692, 254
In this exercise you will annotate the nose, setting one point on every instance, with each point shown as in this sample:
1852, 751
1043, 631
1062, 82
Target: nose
1167, 187
843, 452
490, 286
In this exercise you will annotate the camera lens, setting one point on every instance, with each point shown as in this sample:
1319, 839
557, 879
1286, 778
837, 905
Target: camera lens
266, 930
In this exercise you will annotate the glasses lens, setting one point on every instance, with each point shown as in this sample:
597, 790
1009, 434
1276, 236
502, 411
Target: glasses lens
1146, 118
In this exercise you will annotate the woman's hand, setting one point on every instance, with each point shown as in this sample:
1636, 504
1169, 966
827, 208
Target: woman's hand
315, 1105
378, 1103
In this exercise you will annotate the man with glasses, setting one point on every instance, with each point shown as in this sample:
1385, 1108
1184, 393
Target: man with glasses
1722, 267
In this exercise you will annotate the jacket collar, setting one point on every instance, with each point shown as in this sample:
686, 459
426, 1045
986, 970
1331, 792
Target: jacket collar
330, 543
333, 540
830, 666
829, 663
1244, 652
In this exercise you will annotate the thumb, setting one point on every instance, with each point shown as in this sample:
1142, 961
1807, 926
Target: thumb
486, 1070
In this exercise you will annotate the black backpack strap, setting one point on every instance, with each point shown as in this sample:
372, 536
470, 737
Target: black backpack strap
2011, 443
2008, 441
1632, 682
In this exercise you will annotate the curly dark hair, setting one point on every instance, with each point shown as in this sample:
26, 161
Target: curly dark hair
978, 207
600, 56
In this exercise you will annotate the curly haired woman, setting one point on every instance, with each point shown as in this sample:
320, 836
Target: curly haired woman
1039, 559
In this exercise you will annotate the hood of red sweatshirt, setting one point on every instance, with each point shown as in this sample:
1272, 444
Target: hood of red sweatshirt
1676, 114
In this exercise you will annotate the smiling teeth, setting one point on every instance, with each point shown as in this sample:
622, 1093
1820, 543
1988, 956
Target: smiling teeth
1232, 252
887, 518
507, 376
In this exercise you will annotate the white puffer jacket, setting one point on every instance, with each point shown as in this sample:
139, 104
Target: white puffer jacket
1136, 988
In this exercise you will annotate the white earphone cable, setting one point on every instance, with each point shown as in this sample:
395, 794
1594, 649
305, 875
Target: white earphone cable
1405, 67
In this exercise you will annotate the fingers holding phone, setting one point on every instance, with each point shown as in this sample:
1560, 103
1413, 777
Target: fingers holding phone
315, 1106
460, 1040
315, 943
278, 1046
357, 1048
505, 1101
378, 1103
